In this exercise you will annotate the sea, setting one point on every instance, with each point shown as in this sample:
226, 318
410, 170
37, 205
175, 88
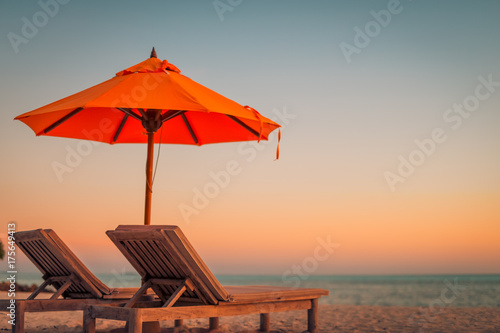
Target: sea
384, 290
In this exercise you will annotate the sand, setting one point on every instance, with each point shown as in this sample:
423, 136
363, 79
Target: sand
333, 318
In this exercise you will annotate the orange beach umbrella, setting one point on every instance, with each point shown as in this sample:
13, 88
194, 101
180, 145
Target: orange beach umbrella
132, 106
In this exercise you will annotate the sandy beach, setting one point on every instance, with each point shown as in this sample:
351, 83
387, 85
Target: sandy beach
333, 318
341, 156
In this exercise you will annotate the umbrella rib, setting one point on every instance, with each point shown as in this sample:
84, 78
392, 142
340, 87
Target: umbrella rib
119, 130
245, 126
130, 113
190, 129
62, 120
143, 113
167, 116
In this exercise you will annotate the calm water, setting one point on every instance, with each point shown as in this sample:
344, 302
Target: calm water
414, 290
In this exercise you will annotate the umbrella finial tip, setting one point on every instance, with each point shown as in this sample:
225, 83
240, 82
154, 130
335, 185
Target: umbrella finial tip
153, 53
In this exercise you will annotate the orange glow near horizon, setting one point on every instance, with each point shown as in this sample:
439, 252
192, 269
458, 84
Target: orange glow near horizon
387, 236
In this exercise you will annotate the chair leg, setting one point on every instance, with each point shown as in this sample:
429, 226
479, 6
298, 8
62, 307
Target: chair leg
178, 322
88, 321
135, 322
19, 319
265, 322
214, 323
312, 317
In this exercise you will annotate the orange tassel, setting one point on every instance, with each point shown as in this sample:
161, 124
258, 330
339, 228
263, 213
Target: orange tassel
278, 147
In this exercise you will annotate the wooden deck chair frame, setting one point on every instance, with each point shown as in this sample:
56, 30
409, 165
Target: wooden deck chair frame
62, 270
187, 289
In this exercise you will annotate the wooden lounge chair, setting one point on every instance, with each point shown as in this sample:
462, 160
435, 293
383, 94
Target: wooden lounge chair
187, 289
62, 270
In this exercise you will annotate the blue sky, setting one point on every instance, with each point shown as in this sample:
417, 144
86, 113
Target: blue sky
350, 121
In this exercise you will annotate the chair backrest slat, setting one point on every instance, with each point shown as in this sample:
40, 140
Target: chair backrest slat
163, 252
54, 259
53, 265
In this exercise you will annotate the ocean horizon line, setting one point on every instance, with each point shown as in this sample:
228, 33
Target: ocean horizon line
469, 290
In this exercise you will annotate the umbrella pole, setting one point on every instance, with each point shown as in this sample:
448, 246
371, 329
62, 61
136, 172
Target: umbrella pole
149, 178
153, 327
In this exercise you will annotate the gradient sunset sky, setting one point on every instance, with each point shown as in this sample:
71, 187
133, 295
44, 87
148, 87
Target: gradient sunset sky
390, 142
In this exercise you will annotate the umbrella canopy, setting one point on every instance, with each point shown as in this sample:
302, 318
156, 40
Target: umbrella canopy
136, 102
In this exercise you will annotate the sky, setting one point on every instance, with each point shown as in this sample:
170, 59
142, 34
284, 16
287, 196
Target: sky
390, 145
